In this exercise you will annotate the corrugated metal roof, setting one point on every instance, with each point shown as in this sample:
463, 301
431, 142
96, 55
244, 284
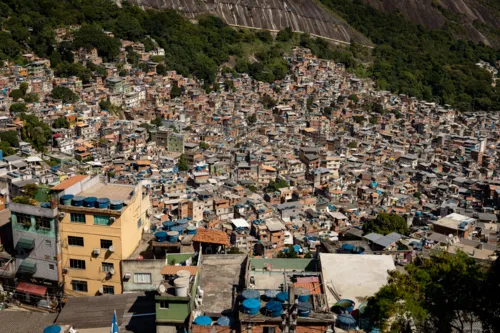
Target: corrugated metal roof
172, 270
25, 321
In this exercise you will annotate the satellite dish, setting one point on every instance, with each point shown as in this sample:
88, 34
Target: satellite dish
162, 289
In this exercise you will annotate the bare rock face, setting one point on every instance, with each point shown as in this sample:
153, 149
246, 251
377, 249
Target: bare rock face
300, 15
436, 14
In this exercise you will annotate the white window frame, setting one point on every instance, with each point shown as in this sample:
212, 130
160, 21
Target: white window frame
142, 278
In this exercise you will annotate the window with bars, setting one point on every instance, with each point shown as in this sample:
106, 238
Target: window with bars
107, 267
106, 243
23, 219
101, 220
77, 263
110, 290
75, 241
78, 285
142, 277
43, 223
77, 218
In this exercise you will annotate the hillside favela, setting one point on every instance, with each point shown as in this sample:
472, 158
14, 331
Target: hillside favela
249, 166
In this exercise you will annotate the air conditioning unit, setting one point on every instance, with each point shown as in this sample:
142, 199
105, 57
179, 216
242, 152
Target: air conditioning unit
112, 219
111, 248
127, 276
112, 271
62, 215
96, 252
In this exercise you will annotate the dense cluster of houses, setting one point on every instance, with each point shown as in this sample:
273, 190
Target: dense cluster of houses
202, 197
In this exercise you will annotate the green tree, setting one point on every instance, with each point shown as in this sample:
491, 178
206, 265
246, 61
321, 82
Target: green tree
386, 223
204, 145
6, 148
268, 102
175, 91
30, 190
16, 94
17, 108
65, 94
354, 98
10, 137
289, 253
24, 87
183, 164
157, 121
352, 144
274, 186
252, 119
489, 308
92, 36
435, 295
284, 35
61, 123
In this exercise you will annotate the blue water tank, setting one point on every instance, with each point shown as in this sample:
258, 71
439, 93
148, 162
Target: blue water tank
181, 221
45, 205
251, 306
178, 228
191, 230
116, 204
274, 308
161, 236
102, 203
203, 321
89, 202
173, 236
302, 294
224, 321
66, 199
282, 296
52, 329
77, 201
304, 309
167, 225
250, 293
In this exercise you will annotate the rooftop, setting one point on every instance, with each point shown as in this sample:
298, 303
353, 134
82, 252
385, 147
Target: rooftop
110, 191
25, 321
69, 182
135, 312
354, 276
219, 274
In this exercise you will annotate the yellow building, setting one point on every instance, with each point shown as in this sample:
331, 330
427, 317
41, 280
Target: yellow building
96, 234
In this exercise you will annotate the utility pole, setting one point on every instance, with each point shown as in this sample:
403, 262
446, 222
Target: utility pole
289, 316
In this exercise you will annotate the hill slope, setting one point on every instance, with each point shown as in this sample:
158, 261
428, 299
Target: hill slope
300, 15
477, 20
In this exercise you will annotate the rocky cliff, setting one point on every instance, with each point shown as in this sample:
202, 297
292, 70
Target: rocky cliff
300, 15
477, 20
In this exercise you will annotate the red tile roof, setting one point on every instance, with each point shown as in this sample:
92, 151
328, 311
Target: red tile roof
313, 287
211, 236
69, 182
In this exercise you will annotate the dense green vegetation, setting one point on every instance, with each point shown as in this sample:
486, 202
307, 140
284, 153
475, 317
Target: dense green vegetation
386, 223
447, 293
432, 65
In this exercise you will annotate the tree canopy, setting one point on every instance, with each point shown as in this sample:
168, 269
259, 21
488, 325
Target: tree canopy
65, 94
439, 294
386, 223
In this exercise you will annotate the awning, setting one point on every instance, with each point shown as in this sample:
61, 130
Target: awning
27, 267
31, 289
26, 243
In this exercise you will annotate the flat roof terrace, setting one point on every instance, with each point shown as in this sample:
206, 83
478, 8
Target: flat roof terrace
110, 191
